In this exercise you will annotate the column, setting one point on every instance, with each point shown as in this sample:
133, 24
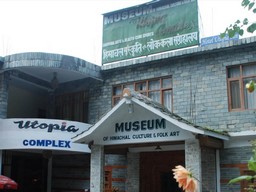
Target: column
3, 94
193, 159
4, 77
97, 168
133, 172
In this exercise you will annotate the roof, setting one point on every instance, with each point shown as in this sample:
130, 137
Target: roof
150, 109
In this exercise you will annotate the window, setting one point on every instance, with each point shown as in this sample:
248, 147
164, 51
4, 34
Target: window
72, 106
160, 90
239, 98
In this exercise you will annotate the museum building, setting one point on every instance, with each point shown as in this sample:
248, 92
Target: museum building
69, 125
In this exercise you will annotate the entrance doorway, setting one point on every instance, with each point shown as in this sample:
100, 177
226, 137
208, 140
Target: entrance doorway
156, 171
30, 172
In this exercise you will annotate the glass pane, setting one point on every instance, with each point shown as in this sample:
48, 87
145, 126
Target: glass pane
249, 98
167, 83
168, 99
235, 95
141, 86
155, 96
249, 70
154, 85
233, 72
130, 86
117, 90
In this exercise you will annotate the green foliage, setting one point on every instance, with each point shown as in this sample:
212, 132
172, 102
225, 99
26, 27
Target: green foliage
238, 26
252, 164
252, 167
241, 178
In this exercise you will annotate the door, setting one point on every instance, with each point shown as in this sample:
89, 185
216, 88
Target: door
156, 171
30, 172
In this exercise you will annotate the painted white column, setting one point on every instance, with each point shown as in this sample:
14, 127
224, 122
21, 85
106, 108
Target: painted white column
193, 159
49, 174
97, 168
1, 161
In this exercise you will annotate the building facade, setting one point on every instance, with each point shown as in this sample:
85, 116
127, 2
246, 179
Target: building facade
37, 123
207, 92
209, 116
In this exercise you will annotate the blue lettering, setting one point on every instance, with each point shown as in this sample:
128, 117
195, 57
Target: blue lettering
47, 143
61, 143
40, 142
25, 142
67, 144
32, 142
54, 144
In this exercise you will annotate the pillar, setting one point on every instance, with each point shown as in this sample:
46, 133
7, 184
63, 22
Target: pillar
133, 172
4, 77
97, 168
193, 159
3, 94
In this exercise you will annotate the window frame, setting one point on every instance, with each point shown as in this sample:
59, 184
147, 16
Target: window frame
145, 92
240, 79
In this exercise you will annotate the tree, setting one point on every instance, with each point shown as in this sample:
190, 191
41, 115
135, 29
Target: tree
239, 25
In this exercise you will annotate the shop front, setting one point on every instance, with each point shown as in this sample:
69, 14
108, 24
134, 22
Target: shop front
153, 141
44, 101
32, 151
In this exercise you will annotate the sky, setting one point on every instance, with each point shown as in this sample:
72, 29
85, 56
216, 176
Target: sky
74, 27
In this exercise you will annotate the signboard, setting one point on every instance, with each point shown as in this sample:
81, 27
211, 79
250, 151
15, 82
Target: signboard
41, 134
149, 28
142, 131
216, 39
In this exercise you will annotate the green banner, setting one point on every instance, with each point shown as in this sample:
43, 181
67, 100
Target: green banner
145, 30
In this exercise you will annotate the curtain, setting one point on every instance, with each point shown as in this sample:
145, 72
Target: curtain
168, 99
235, 95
